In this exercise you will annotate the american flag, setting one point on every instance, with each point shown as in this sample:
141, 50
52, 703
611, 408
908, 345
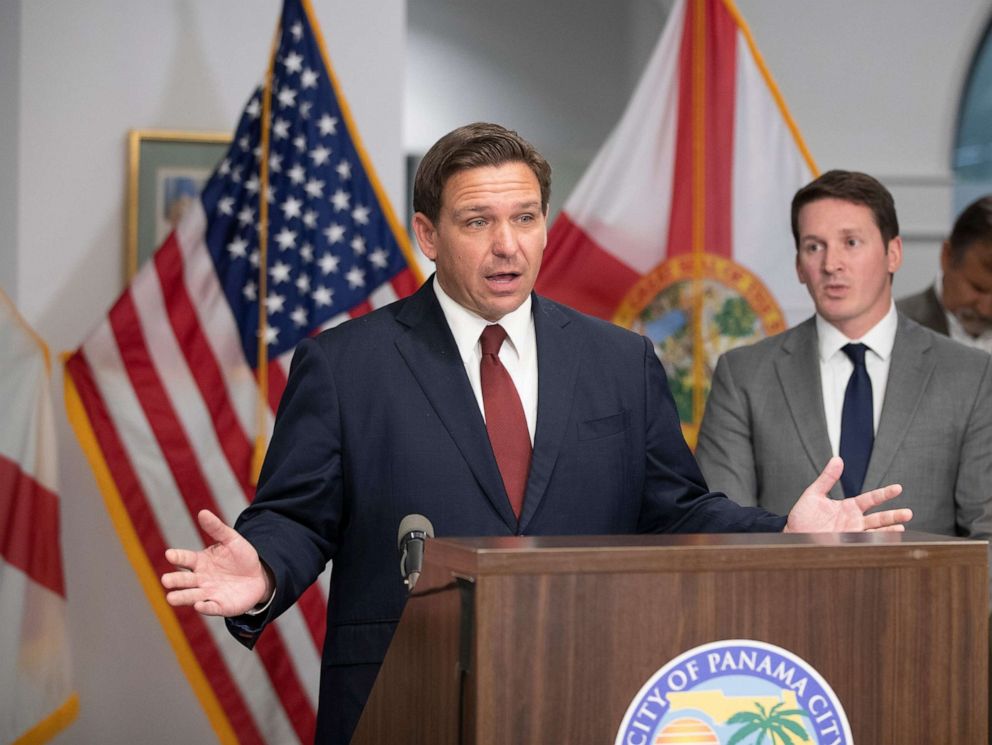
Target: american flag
164, 394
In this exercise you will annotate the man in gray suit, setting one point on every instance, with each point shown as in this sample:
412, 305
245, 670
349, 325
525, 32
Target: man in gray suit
911, 407
959, 303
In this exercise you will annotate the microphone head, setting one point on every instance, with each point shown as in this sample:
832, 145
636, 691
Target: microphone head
414, 524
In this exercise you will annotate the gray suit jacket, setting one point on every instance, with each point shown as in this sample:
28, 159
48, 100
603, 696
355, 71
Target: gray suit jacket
926, 310
764, 439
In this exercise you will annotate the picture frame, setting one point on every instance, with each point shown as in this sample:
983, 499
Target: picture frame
166, 169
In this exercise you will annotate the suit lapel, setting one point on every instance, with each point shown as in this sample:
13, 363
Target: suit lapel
557, 366
798, 370
430, 352
909, 370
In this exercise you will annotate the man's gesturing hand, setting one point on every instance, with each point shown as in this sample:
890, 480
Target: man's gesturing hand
224, 579
816, 512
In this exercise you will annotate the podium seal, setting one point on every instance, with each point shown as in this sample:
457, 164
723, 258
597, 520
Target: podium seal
735, 692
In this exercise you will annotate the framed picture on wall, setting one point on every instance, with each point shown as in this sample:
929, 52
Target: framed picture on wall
166, 171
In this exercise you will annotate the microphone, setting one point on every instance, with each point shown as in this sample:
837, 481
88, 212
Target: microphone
414, 530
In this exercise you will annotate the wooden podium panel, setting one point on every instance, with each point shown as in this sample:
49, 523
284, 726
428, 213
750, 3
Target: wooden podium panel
549, 640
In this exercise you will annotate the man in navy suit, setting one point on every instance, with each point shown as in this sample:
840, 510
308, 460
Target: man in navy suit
387, 415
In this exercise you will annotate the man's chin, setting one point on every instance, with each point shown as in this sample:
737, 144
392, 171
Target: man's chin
974, 326
976, 330
495, 307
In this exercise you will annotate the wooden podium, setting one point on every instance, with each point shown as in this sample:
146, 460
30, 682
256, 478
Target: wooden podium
549, 640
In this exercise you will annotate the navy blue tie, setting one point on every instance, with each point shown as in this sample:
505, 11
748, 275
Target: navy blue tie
857, 430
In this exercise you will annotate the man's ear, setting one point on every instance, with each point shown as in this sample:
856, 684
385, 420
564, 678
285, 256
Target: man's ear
945, 256
894, 251
426, 234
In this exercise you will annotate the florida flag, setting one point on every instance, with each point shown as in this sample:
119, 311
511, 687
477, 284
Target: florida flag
36, 696
680, 227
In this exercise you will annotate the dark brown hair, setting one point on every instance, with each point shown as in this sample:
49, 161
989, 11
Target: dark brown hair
854, 187
473, 146
974, 225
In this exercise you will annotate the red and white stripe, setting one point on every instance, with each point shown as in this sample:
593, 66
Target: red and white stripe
35, 665
707, 163
172, 405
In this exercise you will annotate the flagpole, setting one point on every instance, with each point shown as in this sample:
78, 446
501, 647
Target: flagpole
262, 360
698, 209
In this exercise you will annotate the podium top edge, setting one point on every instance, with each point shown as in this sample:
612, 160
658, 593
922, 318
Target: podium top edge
680, 540
700, 552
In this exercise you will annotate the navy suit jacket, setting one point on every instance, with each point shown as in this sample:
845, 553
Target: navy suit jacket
379, 420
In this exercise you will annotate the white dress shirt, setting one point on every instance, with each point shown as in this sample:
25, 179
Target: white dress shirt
518, 353
836, 368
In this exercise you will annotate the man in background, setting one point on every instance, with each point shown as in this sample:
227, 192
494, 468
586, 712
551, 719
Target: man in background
959, 303
898, 402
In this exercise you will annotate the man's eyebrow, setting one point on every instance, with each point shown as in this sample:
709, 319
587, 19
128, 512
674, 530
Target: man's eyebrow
845, 231
472, 209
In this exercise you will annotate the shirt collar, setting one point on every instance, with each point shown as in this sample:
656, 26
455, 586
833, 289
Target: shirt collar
467, 326
880, 338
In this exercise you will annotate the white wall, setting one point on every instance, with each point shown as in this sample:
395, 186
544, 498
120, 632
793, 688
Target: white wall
10, 46
874, 86
75, 77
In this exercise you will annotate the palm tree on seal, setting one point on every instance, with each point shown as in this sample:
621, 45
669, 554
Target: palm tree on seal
773, 724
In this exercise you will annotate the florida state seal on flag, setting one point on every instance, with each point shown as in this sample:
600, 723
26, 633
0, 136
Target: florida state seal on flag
680, 227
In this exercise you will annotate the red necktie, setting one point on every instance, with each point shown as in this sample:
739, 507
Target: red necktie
505, 418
